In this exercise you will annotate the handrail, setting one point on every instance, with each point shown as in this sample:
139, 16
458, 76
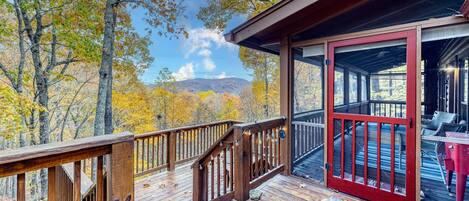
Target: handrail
165, 149
20, 161
247, 155
139, 136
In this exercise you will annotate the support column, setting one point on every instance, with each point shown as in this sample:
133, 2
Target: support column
286, 101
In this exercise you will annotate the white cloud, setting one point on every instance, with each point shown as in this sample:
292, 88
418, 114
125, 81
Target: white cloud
208, 63
185, 72
201, 41
222, 75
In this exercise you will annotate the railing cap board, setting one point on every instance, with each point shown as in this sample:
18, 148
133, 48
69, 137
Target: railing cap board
184, 128
261, 123
44, 150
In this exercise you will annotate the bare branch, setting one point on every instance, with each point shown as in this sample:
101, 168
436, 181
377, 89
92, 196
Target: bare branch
8, 75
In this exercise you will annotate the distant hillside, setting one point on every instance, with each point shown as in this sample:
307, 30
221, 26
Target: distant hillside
225, 85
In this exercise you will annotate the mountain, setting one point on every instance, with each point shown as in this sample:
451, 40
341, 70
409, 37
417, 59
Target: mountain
224, 85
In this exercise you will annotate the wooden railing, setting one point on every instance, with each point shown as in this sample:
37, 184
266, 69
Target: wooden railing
165, 149
242, 159
308, 130
116, 149
388, 108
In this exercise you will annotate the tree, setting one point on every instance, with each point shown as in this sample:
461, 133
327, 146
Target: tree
162, 15
265, 67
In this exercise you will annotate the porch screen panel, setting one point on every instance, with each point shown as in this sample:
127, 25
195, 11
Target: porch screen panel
370, 132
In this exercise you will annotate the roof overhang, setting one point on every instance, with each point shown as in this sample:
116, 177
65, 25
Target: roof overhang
269, 17
308, 19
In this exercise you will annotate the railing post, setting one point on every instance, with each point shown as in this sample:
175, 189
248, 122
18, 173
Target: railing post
122, 177
171, 151
199, 192
242, 154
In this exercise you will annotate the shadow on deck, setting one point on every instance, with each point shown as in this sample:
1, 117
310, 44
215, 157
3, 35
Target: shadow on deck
177, 185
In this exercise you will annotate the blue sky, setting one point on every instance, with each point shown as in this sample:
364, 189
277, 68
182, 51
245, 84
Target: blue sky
205, 54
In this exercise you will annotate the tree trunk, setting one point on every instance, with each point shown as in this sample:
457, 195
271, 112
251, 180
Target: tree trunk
104, 71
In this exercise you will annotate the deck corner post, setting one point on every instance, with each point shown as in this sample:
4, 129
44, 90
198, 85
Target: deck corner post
242, 153
199, 184
171, 151
122, 176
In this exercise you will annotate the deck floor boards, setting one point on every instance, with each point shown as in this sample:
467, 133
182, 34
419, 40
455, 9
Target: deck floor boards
310, 168
177, 186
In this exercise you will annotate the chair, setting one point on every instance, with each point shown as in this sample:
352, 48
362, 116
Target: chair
436, 150
429, 126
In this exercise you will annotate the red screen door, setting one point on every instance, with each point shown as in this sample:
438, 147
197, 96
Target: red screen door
371, 128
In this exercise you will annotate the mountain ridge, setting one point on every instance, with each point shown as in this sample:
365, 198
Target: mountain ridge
230, 85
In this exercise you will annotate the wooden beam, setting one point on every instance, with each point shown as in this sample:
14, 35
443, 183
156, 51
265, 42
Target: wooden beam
418, 113
264, 20
286, 101
424, 24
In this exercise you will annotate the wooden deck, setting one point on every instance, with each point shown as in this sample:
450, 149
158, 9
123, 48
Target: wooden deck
177, 185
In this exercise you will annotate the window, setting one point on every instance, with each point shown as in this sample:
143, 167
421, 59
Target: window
338, 87
353, 87
364, 88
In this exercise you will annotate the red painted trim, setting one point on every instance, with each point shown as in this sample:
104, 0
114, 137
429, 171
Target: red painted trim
365, 180
363, 190
465, 9
378, 153
393, 154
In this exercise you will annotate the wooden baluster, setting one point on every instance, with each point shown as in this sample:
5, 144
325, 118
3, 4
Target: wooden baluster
278, 146
100, 179
224, 170
264, 152
256, 155
182, 144
158, 158
212, 179
148, 153
171, 150
51, 184
191, 143
231, 166
77, 181
153, 152
143, 155
21, 187
271, 157
218, 175
137, 156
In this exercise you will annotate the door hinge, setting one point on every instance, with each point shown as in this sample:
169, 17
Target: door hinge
327, 166
410, 123
327, 61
